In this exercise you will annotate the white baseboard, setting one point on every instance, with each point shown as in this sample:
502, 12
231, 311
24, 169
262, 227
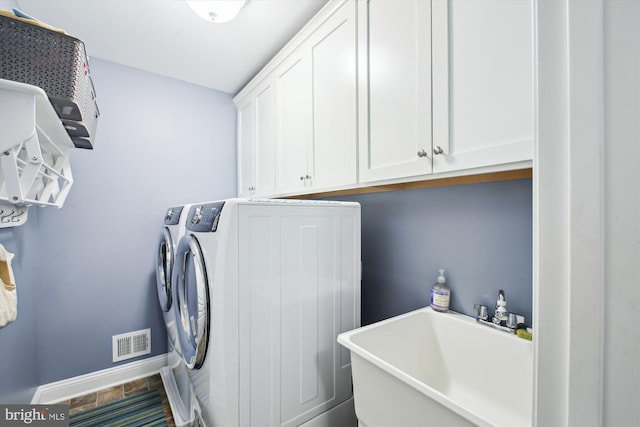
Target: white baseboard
60, 391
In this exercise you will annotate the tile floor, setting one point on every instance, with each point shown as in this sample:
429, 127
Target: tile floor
111, 394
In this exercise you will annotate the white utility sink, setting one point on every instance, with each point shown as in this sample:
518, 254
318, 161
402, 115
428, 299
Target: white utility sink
426, 368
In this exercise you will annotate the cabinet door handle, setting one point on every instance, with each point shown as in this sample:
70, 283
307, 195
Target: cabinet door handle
422, 153
438, 150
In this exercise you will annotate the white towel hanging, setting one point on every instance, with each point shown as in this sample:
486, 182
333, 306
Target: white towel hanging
8, 295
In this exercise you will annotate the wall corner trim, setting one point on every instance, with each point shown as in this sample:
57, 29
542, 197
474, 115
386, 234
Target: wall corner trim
77, 386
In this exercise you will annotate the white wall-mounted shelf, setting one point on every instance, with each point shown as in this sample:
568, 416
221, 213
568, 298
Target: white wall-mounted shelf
34, 153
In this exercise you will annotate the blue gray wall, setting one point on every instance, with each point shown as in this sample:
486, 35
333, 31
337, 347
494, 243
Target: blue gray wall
160, 142
86, 272
481, 234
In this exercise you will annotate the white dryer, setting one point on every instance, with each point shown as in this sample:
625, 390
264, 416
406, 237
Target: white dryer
175, 375
263, 288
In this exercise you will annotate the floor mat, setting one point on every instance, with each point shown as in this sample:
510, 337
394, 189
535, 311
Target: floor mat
144, 409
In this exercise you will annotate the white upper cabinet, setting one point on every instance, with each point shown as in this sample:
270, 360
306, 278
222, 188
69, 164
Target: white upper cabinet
246, 147
482, 83
384, 91
333, 54
395, 88
445, 85
294, 122
316, 108
265, 182
256, 142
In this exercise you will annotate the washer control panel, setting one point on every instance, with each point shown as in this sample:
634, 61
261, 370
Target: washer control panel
204, 217
172, 216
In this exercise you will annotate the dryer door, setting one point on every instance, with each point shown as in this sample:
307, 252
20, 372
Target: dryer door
192, 301
164, 269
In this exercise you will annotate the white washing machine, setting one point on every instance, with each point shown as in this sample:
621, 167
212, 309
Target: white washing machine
263, 288
175, 375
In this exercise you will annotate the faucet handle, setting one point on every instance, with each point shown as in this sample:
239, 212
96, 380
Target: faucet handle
513, 320
483, 311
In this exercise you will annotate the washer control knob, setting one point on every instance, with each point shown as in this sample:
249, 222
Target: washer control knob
197, 215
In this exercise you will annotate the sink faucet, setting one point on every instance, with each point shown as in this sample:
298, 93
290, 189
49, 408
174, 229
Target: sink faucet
502, 319
501, 309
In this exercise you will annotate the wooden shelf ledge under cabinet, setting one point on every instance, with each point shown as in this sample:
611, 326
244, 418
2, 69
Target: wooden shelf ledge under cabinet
429, 183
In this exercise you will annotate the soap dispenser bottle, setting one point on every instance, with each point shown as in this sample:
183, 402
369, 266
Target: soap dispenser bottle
440, 294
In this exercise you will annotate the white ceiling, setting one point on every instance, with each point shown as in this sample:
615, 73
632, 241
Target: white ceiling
166, 37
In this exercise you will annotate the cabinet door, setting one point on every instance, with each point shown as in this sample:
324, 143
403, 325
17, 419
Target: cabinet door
395, 88
265, 174
333, 51
482, 82
294, 122
246, 148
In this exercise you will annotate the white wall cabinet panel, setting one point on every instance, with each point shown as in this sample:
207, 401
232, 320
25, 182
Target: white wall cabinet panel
294, 119
265, 140
482, 83
333, 53
395, 88
256, 142
316, 109
246, 147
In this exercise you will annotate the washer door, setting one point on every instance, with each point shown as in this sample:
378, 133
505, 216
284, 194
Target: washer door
164, 269
192, 301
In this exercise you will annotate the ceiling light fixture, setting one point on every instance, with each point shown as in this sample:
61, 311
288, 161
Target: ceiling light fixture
217, 11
